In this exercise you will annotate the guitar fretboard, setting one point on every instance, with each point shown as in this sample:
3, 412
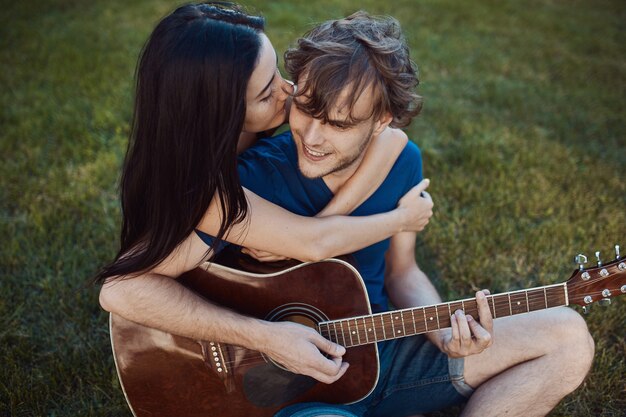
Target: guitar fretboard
363, 330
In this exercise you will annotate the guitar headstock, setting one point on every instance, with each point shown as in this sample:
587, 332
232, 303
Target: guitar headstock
601, 282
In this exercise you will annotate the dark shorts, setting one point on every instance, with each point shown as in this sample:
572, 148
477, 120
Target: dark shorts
415, 377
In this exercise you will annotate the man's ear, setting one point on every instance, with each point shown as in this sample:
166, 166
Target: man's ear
382, 123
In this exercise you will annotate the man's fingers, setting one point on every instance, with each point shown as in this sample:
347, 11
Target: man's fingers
456, 336
484, 313
326, 346
342, 371
330, 378
332, 366
482, 336
464, 330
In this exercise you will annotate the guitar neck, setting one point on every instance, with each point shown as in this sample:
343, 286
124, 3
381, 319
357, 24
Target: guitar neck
373, 328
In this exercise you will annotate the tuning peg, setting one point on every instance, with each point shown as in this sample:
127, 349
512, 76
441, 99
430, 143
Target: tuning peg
581, 260
598, 258
616, 251
605, 302
586, 309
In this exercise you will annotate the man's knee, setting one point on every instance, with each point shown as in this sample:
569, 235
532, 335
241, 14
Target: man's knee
572, 332
575, 344
580, 334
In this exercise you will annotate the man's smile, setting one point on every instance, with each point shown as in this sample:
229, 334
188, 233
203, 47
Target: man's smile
314, 155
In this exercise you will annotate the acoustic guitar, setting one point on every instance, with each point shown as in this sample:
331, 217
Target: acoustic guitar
167, 375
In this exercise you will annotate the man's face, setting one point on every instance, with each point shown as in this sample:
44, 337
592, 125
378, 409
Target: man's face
335, 148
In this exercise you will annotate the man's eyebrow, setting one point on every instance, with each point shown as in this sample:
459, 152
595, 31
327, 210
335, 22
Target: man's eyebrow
269, 83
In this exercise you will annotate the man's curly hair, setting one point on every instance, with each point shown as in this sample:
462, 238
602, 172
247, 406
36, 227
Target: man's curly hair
356, 52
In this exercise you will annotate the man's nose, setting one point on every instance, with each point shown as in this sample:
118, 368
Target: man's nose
312, 133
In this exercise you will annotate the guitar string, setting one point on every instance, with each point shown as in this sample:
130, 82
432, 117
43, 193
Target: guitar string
259, 358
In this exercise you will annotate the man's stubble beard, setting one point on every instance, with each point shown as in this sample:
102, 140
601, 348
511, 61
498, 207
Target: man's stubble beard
344, 163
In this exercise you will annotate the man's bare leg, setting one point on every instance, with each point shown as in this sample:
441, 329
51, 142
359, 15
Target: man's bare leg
536, 360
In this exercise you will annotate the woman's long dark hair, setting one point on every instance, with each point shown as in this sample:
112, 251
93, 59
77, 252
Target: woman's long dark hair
190, 108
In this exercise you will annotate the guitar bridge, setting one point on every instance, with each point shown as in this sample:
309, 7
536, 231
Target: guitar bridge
215, 358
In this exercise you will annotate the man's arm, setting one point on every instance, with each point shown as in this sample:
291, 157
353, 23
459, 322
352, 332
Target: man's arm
156, 299
408, 286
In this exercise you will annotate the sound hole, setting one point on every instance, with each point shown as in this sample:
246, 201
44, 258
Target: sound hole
270, 384
304, 314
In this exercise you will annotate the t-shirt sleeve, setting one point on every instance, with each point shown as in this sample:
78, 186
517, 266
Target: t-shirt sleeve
413, 164
255, 169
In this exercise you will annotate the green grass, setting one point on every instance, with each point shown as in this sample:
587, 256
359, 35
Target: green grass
522, 134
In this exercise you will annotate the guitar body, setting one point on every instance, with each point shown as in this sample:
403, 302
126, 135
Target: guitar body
166, 375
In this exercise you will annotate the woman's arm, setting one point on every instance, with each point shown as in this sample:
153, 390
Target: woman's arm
273, 229
378, 161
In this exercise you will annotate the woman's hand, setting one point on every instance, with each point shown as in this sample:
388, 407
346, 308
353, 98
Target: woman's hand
263, 256
417, 207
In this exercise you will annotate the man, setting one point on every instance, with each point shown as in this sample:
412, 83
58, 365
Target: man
354, 78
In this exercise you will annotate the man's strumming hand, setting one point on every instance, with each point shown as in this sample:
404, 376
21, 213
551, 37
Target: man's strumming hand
301, 350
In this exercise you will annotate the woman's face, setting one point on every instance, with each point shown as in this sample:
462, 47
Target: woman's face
267, 92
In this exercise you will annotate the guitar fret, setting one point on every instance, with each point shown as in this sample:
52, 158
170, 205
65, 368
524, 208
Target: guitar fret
510, 307
556, 297
358, 336
374, 328
517, 300
437, 315
344, 334
493, 303
413, 317
403, 326
443, 320
527, 304
321, 330
326, 333
428, 313
382, 322
399, 331
502, 305
407, 318
364, 328
536, 299
350, 333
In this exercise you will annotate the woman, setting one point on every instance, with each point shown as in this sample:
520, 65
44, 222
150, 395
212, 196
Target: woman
206, 75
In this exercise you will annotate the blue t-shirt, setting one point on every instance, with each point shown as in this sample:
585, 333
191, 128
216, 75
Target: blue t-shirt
270, 170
